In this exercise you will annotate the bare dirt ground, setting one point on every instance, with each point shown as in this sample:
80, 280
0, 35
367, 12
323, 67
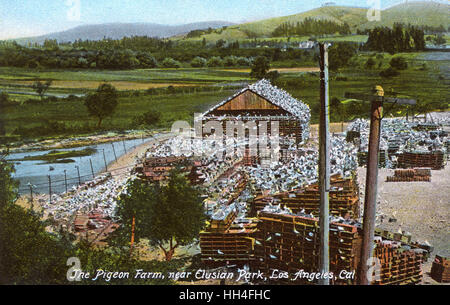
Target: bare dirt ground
421, 208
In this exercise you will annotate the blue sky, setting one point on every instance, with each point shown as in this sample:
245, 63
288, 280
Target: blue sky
21, 18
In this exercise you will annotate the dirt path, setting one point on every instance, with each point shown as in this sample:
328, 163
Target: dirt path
421, 208
128, 160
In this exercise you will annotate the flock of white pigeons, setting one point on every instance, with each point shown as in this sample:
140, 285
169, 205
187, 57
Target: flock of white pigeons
275, 95
400, 135
101, 197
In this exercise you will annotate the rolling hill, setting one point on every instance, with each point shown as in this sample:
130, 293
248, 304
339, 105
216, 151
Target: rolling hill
120, 30
415, 13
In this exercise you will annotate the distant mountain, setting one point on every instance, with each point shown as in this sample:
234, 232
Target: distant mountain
415, 13
120, 30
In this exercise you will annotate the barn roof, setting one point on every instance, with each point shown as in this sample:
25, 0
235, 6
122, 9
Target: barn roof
276, 96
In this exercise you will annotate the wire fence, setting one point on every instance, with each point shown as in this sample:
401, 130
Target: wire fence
86, 171
54, 186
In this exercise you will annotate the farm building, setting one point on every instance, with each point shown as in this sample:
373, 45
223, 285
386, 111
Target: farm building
261, 107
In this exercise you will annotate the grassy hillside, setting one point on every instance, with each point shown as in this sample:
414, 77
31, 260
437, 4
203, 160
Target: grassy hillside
416, 13
338, 14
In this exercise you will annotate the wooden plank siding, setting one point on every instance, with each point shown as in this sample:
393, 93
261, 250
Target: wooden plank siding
248, 100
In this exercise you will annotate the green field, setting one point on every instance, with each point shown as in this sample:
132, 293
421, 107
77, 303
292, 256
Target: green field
425, 80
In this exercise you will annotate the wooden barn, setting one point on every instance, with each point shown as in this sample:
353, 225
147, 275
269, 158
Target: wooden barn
262, 102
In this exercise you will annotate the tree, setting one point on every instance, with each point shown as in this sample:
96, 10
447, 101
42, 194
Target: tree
4, 101
198, 62
215, 61
370, 63
260, 67
146, 60
272, 76
41, 87
171, 63
398, 63
102, 103
230, 61
28, 255
220, 43
389, 72
439, 40
243, 61
340, 54
168, 216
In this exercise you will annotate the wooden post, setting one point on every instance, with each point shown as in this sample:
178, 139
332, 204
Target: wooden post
124, 148
79, 178
31, 195
324, 165
92, 169
104, 159
132, 234
50, 188
114, 150
377, 99
65, 179
370, 199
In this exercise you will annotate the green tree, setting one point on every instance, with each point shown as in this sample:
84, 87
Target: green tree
260, 67
340, 54
28, 254
220, 43
4, 101
102, 103
389, 72
398, 63
215, 61
42, 87
171, 63
230, 61
169, 216
439, 40
370, 63
198, 62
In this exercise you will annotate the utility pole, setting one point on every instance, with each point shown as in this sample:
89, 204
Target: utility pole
79, 178
104, 159
124, 148
324, 165
92, 169
114, 150
376, 114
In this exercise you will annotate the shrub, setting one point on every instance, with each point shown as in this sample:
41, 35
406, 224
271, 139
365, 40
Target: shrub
399, 63
148, 118
243, 61
230, 61
215, 61
389, 72
370, 63
171, 63
198, 62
